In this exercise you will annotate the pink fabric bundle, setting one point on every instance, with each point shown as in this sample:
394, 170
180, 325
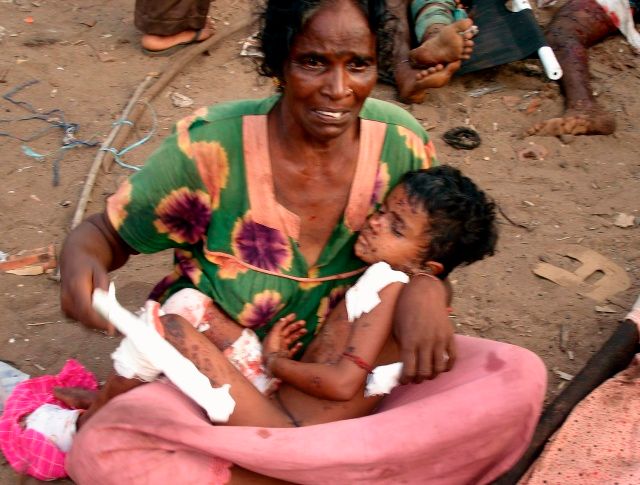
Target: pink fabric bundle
27, 450
467, 426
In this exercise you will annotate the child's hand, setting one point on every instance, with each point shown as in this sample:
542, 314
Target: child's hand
282, 337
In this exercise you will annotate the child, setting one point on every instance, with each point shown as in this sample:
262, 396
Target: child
431, 222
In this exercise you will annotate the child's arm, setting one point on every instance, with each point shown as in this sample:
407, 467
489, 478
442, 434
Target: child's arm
342, 380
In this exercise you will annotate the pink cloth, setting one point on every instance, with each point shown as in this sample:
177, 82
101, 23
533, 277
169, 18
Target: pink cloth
26, 450
599, 443
469, 425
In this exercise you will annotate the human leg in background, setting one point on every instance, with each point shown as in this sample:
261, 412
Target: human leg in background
575, 27
167, 24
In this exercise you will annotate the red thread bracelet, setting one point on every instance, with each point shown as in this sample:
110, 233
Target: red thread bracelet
358, 361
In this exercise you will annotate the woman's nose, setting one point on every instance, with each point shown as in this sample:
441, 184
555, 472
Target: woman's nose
337, 85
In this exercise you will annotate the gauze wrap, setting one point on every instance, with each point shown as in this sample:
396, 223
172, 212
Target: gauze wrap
363, 296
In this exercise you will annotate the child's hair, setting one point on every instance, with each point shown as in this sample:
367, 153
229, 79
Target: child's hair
462, 227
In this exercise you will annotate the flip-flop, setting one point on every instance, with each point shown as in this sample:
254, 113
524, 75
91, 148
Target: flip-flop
174, 48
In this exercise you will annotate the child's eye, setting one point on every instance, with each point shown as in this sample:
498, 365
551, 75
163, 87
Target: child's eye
395, 230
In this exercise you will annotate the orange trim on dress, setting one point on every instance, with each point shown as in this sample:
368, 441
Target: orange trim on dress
372, 136
265, 209
211, 254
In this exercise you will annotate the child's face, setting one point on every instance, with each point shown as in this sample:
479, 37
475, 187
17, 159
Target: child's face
395, 234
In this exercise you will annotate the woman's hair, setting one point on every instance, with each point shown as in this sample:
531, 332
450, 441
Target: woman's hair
283, 20
462, 227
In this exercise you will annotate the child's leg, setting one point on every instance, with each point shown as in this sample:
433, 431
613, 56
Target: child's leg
202, 313
240, 345
252, 408
198, 310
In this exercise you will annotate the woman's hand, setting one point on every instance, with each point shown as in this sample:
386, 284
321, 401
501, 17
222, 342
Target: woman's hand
423, 329
282, 339
88, 254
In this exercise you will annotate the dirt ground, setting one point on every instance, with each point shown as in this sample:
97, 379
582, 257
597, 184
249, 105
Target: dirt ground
86, 59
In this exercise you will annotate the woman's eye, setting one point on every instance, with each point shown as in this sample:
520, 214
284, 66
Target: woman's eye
312, 63
358, 64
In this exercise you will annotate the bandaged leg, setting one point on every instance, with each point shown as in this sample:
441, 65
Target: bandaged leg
162, 356
245, 353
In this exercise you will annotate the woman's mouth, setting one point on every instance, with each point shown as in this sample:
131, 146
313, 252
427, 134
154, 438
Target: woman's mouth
331, 116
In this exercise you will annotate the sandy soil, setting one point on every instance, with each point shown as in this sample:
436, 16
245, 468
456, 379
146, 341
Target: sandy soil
86, 58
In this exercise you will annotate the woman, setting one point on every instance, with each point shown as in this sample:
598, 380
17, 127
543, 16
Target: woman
261, 201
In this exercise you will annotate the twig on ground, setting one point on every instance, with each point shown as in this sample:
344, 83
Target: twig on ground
134, 109
187, 55
100, 155
512, 222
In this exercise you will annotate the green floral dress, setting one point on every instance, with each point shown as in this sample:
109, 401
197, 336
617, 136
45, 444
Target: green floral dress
208, 193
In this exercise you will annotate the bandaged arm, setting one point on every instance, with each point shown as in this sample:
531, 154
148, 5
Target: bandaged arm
342, 380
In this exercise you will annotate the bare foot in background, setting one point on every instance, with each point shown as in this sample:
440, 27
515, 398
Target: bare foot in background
443, 44
591, 121
413, 83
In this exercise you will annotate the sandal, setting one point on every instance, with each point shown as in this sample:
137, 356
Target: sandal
175, 48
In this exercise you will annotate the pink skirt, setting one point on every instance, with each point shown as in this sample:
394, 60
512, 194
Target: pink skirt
469, 425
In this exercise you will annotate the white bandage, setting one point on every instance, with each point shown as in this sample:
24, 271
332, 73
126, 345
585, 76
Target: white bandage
191, 305
246, 355
363, 296
128, 361
383, 379
56, 423
217, 402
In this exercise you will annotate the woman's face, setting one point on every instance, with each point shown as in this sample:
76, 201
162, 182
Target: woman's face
330, 71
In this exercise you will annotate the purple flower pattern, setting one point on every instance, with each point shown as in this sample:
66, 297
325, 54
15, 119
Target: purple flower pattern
260, 245
261, 310
188, 266
184, 215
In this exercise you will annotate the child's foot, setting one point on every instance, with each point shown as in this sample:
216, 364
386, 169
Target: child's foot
413, 83
167, 43
449, 43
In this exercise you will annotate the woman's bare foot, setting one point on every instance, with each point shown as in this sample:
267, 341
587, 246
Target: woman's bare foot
590, 122
414, 83
159, 43
444, 44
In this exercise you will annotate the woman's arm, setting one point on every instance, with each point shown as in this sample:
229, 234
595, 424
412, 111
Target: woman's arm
423, 329
340, 381
90, 251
